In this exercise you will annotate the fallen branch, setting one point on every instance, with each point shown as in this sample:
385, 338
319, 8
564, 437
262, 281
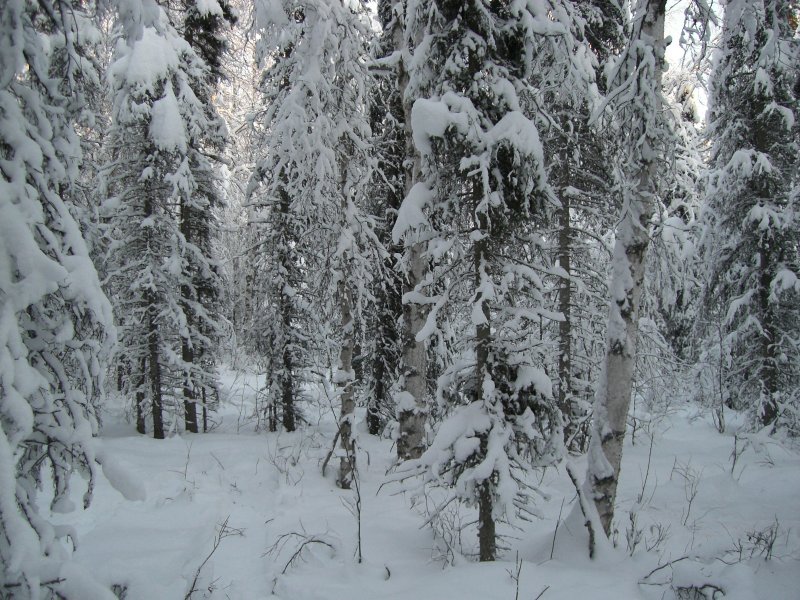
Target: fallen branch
547, 587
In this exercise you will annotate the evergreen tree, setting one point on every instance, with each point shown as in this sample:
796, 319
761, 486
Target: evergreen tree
752, 229
55, 322
311, 184
201, 298
481, 180
161, 185
581, 175
387, 122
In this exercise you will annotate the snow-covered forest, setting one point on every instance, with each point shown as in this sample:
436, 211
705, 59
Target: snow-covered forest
348, 299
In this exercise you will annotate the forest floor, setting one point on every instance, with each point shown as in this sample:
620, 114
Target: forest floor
283, 530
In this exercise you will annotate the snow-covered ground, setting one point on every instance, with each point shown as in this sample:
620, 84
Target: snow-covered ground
261, 496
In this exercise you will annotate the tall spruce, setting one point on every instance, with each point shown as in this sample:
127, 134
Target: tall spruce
310, 185
161, 187
581, 176
198, 214
481, 181
752, 228
388, 126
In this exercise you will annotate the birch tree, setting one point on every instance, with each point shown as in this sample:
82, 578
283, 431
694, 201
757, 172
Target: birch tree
636, 96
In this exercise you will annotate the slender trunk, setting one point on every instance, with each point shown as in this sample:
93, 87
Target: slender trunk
487, 534
141, 396
565, 326
412, 409
187, 352
155, 373
345, 376
286, 308
287, 384
380, 389
153, 352
344, 381
768, 411
205, 411
189, 400
614, 390
487, 541
287, 393
412, 405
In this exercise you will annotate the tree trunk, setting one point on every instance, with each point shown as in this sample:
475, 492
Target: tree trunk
189, 403
411, 406
565, 326
768, 409
141, 395
487, 541
614, 390
187, 352
286, 308
287, 383
378, 396
155, 372
344, 382
205, 411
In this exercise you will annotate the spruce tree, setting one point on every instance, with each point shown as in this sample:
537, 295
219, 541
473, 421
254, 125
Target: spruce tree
482, 179
55, 323
161, 189
384, 320
310, 184
752, 229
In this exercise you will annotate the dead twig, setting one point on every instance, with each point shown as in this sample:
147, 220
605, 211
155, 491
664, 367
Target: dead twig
224, 531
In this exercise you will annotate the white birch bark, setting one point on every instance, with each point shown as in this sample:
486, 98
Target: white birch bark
411, 403
613, 394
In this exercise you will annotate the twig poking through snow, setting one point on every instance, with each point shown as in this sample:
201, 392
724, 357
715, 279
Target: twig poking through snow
224, 531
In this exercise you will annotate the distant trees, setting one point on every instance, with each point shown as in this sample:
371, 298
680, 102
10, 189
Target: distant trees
56, 328
752, 230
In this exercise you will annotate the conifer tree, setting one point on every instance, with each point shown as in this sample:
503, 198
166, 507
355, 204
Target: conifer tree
161, 186
752, 228
311, 183
481, 179
387, 122
581, 175
55, 323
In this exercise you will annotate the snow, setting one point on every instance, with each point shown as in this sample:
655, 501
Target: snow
431, 118
269, 484
166, 126
411, 214
150, 59
209, 7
